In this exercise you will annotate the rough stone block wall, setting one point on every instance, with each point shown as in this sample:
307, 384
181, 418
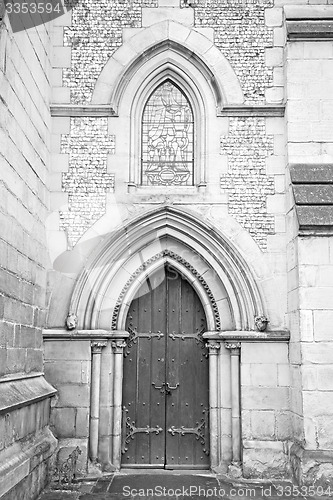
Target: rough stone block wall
266, 424
68, 369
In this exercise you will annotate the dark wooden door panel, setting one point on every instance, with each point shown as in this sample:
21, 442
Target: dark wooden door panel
187, 355
144, 364
165, 395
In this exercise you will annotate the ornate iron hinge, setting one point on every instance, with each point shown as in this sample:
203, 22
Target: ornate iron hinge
200, 432
196, 336
132, 430
134, 335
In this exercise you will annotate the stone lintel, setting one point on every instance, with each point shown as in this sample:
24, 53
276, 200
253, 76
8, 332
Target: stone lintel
265, 445
257, 111
313, 194
309, 22
310, 30
17, 393
248, 336
73, 110
169, 3
308, 173
308, 12
152, 16
315, 215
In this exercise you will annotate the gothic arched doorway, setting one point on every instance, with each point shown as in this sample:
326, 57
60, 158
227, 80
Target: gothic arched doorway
165, 385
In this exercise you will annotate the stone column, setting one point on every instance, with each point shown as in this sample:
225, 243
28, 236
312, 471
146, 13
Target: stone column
213, 350
234, 348
96, 348
118, 348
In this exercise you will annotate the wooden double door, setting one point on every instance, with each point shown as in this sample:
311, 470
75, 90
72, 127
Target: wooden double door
165, 386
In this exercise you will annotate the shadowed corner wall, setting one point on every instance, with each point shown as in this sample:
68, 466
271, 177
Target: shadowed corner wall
26, 443
309, 121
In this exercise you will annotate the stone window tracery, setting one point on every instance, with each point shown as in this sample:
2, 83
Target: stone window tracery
167, 148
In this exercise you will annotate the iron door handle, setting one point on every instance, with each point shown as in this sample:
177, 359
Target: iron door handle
161, 387
169, 388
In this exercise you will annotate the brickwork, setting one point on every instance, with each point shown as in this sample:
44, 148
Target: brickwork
87, 180
26, 444
247, 146
241, 34
24, 157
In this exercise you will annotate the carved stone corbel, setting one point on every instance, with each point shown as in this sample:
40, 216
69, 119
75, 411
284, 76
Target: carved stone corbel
118, 346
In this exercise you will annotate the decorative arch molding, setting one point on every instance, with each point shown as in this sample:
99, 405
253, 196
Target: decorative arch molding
168, 37
199, 283
226, 275
162, 71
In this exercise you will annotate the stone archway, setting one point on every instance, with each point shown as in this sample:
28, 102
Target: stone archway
220, 278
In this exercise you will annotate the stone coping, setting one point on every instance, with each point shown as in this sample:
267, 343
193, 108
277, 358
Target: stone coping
249, 336
258, 111
19, 376
22, 392
62, 334
239, 335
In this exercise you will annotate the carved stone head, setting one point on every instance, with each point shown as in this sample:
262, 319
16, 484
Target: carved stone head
71, 321
261, 323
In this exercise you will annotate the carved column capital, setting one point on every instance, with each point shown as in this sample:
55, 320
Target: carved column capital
97, 346
234, 348
118, 346
213, 347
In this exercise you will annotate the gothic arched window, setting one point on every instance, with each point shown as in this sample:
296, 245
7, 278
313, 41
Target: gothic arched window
167, 138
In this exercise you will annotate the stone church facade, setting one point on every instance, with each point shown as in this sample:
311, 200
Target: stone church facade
166, 246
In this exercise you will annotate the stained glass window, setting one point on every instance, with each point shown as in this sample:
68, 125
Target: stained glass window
167, 138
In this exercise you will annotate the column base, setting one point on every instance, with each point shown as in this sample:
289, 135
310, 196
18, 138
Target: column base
235, 470
311, 467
